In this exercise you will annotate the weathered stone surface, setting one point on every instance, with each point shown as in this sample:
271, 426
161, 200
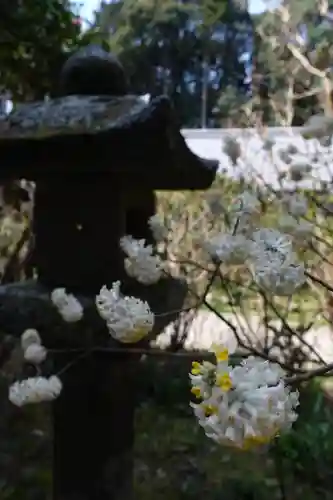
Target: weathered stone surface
102, 134
92, 71
71, 115
28, 305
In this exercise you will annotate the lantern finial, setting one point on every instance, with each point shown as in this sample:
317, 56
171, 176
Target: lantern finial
92, 71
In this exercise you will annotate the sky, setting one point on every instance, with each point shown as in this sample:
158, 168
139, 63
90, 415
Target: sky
89, 6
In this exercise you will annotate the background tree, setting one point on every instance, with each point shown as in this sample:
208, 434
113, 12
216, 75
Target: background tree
188, 50
35, 37
293, 56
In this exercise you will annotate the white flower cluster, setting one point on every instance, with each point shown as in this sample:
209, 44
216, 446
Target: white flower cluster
296, 204
300, 230
274, 265
244, 212
234, 248
34, 351
140, 263
270, 242
68, 306
291, 223
128, 319
244, 406
301, 160
160, 232
305, 160
267, 252
34, 389
230, 249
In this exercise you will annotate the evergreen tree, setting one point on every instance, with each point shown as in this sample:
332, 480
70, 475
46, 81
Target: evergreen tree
189, 50
35, 36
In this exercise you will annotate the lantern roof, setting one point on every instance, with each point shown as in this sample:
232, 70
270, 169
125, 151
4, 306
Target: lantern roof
84, 131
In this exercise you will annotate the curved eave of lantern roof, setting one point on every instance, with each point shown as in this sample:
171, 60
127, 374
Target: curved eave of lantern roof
125, 135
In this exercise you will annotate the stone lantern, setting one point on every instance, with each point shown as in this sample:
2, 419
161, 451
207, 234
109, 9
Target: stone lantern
96, 154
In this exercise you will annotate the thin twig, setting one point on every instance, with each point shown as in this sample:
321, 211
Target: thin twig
323, 370
69, 365
150, 351
319, 281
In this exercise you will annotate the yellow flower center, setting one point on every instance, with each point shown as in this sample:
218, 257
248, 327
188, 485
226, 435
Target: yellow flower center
253, 441
224, 382
221, 353
135, 335
209, 410
196, 391
196, 368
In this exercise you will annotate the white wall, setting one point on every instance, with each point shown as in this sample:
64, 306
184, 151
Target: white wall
209, 144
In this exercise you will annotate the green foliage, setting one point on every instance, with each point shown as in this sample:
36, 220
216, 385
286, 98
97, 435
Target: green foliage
307, 450
279, 69
35, 36
188, 50
175, 460
165, 383
173, 457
